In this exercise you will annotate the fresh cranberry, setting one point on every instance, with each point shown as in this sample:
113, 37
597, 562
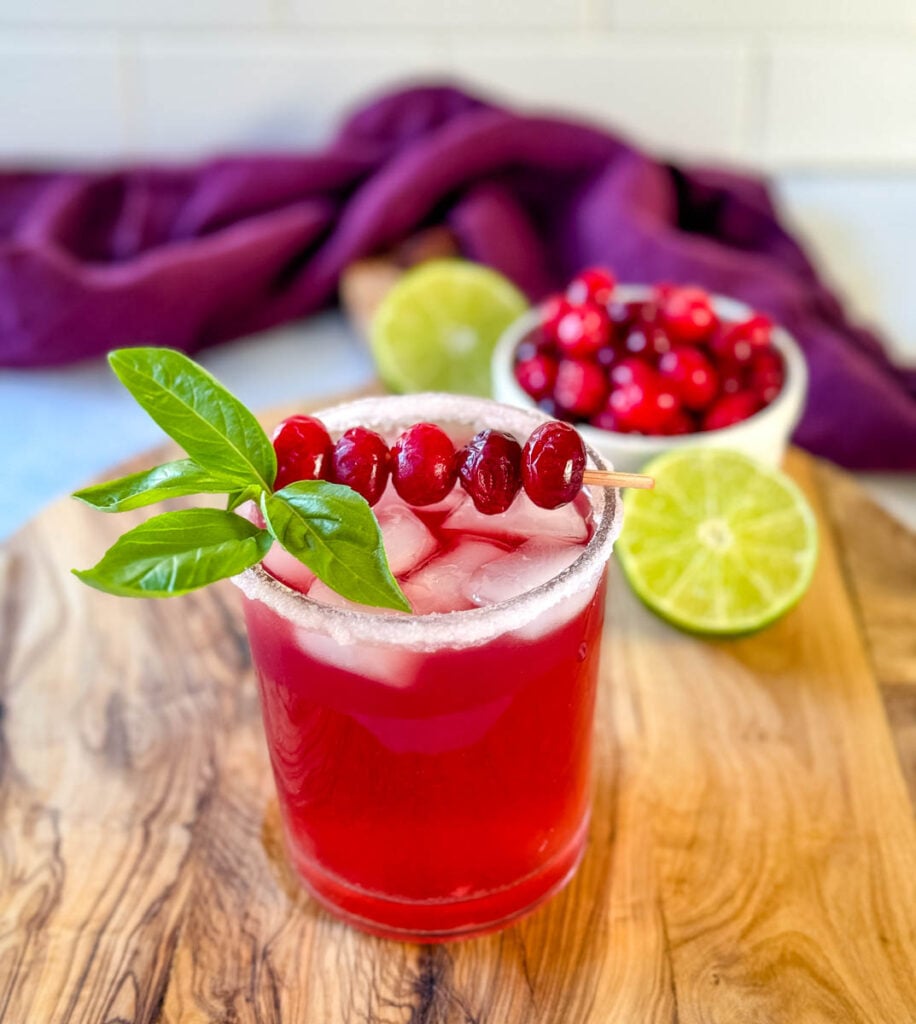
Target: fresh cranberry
731, 348
690, 376
757, 330
624, 408
681, 422
303, 448
663, 406
648, 341
552, 312
583, 330
606, 419
580, 387
650, 314
623, 315
538, 337
688, 315
537, 375
608, 357
593, 285
645, 405
535, 343
731, 409
767, 375
360, 460
553, 461
738, 342
423, 466
631, 371
490, 470
731, 377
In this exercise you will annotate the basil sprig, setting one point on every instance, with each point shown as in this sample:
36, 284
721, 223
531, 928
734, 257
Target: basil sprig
176, 552
195, 410
328, 527
170, 480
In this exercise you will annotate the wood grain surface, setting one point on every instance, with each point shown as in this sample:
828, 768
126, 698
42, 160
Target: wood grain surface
752, 857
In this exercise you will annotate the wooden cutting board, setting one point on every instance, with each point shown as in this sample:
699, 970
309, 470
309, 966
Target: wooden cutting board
752, 857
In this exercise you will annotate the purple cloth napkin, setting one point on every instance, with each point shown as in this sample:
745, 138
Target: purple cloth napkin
190, 256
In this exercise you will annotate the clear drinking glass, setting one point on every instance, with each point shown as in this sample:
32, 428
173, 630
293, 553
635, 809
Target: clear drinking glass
433, 770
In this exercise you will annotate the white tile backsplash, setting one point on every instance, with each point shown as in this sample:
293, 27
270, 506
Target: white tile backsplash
137, 13
784, 84
463, 13
860, 230
195, 96
677, 97
848, 103
758, 14
61, 97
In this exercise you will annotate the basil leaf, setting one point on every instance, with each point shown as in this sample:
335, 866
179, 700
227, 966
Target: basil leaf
195, 410
237, 498
171, 480
331, 529
176, 552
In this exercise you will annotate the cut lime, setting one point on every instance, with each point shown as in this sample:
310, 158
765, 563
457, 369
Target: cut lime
723, 545
437, 328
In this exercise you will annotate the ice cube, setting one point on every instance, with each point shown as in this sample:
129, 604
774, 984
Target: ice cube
407, 541
522, 519
441, 584
383, 663
323, 594
451, 501
279, 562
388, 663
288, 569
516, 572
391, 499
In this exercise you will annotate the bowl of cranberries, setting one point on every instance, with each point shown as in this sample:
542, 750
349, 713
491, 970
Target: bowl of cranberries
642, 369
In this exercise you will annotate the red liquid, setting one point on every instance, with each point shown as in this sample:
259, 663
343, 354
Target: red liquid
443, 801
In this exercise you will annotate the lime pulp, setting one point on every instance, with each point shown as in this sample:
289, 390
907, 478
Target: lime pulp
722, 546
437, 328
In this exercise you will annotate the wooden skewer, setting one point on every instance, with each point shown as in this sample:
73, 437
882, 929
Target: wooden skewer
602, 478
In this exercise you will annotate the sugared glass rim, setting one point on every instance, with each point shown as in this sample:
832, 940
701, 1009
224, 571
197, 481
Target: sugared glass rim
437, 630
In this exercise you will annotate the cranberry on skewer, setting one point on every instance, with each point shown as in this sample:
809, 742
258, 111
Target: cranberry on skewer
553, 461
303, 448
423, 465
490, 470
423, 468
361, 460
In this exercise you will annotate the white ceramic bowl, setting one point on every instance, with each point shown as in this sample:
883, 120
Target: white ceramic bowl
763, 436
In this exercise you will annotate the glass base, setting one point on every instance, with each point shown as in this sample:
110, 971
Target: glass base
440, 920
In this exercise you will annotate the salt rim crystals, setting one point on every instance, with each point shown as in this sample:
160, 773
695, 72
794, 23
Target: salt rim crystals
444, 630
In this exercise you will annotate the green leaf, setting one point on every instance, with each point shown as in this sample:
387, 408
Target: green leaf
171, 480
332, 530
237, 498
195, 410
176, 552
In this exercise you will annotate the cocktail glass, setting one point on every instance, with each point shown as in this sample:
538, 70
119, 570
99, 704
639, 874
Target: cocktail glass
432, 771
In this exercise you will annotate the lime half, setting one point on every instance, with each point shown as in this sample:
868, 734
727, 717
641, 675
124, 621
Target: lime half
437, 328
723, 545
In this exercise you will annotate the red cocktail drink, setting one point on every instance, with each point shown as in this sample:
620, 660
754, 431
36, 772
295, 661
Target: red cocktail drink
433, 770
